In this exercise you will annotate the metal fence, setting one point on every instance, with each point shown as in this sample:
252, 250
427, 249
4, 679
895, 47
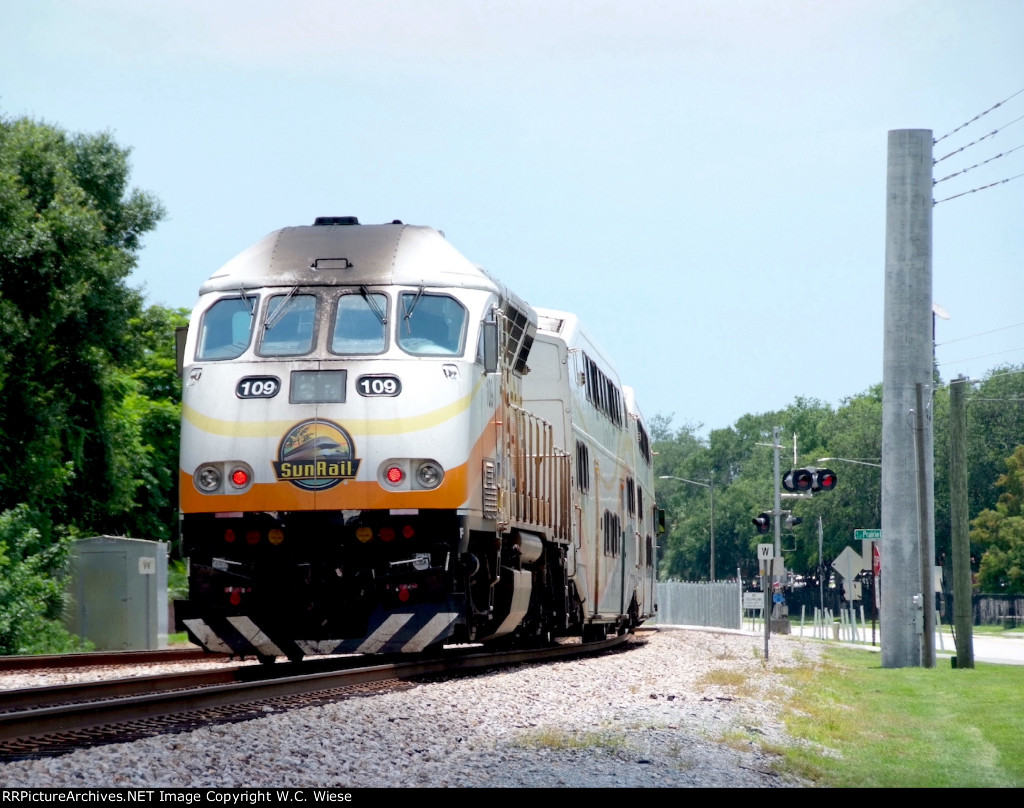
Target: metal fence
989, 610
682, 603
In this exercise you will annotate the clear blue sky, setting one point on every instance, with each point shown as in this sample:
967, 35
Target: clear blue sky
703, 181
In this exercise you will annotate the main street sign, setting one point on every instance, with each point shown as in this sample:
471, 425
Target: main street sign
871, 533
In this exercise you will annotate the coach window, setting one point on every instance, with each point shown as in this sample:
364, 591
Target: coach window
226, 328
360, 323
430, 325
289, 327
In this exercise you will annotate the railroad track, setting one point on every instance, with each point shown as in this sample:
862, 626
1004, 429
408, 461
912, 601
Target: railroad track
94, 659
36, 722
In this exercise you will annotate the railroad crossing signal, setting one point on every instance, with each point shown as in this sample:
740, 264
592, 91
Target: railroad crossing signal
824, 480
809, 479
763, 523
798, 480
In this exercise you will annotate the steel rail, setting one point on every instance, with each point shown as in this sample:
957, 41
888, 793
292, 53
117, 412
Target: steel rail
97, 658
50, 719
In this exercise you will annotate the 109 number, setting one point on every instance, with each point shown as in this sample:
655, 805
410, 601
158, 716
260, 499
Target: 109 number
380, 385
258, 387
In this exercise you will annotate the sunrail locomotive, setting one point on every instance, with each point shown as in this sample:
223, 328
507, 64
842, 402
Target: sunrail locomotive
383, 449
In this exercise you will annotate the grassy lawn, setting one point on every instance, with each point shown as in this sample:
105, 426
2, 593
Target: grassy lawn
873, 727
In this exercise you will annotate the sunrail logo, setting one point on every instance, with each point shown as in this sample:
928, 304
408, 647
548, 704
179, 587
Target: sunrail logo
316, 455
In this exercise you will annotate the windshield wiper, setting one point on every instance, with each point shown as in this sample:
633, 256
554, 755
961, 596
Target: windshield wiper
278, 313
411, 308
249, 300
374, 305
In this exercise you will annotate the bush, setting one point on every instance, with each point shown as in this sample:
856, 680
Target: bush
32, 589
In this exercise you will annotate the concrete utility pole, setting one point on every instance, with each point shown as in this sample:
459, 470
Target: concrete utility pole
960, 552
907, 362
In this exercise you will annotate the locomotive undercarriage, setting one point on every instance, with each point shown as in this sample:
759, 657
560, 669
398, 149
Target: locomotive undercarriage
302, 583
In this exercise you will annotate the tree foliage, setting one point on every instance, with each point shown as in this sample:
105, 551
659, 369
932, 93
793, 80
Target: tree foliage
69, 232
150, 413
80, 436
740, 459
31, 593
1001, 531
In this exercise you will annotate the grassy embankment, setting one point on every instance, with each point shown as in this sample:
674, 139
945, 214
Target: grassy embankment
875, 727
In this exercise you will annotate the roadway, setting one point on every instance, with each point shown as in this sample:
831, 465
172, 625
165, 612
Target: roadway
1000, 649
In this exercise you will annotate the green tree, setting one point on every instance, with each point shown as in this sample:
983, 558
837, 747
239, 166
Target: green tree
150, 416
1000, 531
31, 588
70, 229
76, 433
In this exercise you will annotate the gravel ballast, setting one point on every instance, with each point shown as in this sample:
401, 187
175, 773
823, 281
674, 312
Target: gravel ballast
683, 708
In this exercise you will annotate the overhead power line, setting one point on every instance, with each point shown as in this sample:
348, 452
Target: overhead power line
980, 356
976, 142
978, 116
979, 334
975, 190
978, 165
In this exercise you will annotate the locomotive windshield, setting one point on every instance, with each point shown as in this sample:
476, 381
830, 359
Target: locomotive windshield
360, 323
289, 328
430, 324
227, 328
426, 324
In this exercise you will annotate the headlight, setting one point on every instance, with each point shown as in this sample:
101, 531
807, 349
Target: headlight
429, 474
207, 479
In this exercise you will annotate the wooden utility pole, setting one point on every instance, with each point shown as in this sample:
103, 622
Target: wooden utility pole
924, 537
963, 611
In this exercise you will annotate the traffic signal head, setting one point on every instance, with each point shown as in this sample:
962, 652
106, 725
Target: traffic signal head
763, 522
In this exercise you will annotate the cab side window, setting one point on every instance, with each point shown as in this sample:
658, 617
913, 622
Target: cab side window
430, 325
226, 328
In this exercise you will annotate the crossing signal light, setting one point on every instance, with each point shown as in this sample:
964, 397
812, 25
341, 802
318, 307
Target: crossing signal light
798, 480
791, 521
824, 480
763, 522
809, 479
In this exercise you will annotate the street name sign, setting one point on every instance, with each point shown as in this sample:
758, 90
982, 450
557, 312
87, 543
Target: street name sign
872, 533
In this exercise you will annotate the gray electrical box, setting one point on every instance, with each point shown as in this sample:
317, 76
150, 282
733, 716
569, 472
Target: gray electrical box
118, 593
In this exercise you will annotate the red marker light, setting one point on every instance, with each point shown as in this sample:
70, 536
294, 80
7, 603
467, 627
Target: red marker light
408, 531
239, 478
387, 534
235, 597
394, 475
252, 536
403, 594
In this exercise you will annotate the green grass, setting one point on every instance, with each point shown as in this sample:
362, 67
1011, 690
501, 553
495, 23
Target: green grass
995, 631
860, 725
